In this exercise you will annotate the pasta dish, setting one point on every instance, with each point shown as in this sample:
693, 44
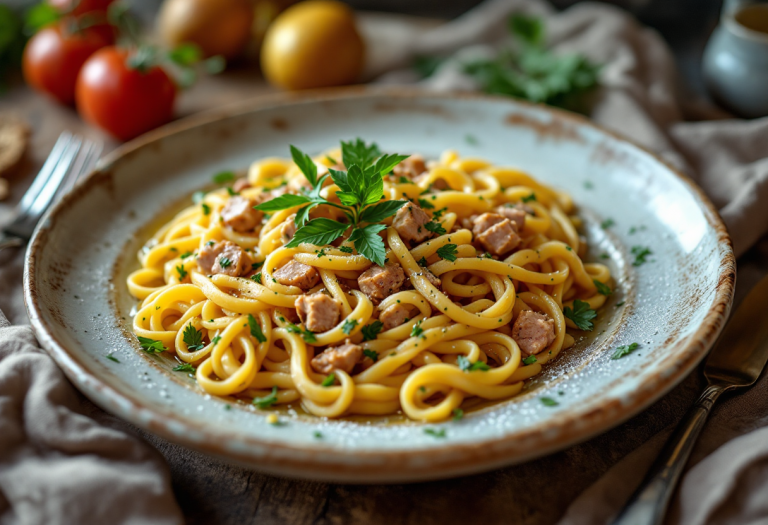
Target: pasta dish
357, 282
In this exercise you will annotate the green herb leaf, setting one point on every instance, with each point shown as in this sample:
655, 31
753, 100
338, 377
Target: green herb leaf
602, 288
255, 328
529, 198
319, 232
371, 190
478, 365
181, 271
435, 433
346, 249
308, 336
112, 358
193, 338
216, 340
529, 360
417, 330
283, 202
369, 244
305, 164
185, 367
371, 331
607, 223
548, 402
256, 278
426, 205
624, 350
151, 346
186, 254
529, 29
448, 252
458, 414
185, 55
374, 356
435, 227
381, 211
359, 153
581, 315
224, 262
641, 253
386, 163
317, 434
224, 177
348, 326
329, 379
206, 209
267, 401
422, 262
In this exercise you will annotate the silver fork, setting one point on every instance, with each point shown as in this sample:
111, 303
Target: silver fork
71, 157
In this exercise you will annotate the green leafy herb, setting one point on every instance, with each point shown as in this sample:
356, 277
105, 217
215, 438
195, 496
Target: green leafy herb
424, 203
308, 336
422, 262
374, 356
225, 262
193, 338
331, 160
256, 265
607, 223
151, 346
216, 340
435, 227
458, 414
184, 367
529, 360
371, 331
435, 433
181, 271
529, 198
624, 350
605, 256
266, 401
448, 252
112, 358
602, 288
206, 209
641, 253
224, 177
465, 365
38, 17
404, 180
348, 326
548, 402
620, 304
581, 315
346, 249
255, 328
317, 434
231, 192
329, 379
528, 29
416, 331
187, 254
256, 278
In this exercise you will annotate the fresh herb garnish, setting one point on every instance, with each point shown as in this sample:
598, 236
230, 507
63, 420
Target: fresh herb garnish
416, 331
374, 356
602, 288
548, 402
267, 401
224, 177
112, 358
529, 360
225, 262
308, 336
317, 434
435, 227
216, 340
256, 278
186, 254
231, 192
448, 252
255, 328
424, 203
329, 379
458, 414
422, 262
624, 350
607, 223
184, 367
465, 365
331, 160
640, 253
151, 346
193, 338
581, 315
437, 214
371, 331
435, 433
206, 209
528, 198
181, 271
348, 326
346, 249
361, 188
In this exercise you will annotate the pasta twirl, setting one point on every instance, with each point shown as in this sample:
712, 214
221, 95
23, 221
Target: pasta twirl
480, 275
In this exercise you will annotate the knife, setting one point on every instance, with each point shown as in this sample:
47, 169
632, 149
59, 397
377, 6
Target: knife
736, 361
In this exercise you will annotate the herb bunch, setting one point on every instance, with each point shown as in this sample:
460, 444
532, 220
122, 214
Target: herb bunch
361, 188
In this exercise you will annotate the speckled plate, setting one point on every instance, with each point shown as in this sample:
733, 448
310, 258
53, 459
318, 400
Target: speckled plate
674, 305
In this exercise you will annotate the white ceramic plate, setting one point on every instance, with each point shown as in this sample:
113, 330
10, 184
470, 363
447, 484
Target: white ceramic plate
674, 306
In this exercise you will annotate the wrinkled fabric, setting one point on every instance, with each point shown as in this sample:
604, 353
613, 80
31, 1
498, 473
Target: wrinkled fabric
639, 97
63, 461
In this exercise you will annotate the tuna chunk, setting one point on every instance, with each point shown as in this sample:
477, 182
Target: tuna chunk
343, 357
378, 283
296, 274
318, 312
497, 234
241, 184
411, 167
394, 316
224, 257
238, 214
288, 229
533, 332
409, 223
516, 215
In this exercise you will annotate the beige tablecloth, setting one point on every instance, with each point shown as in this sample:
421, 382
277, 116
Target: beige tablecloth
64, 461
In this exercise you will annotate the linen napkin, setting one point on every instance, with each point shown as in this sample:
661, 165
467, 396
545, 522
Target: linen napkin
64, 461
639, 97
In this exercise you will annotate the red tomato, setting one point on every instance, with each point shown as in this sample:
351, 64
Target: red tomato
124, 101
76, 7
54, 55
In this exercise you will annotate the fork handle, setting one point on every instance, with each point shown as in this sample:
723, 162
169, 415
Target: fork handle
648, 504
8, 241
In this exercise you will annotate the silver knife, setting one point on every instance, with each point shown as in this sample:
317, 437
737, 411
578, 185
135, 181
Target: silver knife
736, 361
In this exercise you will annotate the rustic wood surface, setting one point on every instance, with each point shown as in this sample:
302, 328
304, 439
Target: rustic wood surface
213, 492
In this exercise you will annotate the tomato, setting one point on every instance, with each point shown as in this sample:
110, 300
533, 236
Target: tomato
313, 44
54, 55
122, 100
219, 27
78, 7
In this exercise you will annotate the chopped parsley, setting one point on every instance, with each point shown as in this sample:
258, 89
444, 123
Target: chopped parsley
465, 365
602, 288
193, 338
435, 432
256, 278
112, 358
404, 180
256, 265
308, 336
607, 223
529, 360
424, 203
187, 254
345, 249
640, 253
529, 198
321, 253
266, 401
371, 331
206, 209
370, 353
181, 271
448, 252
151, 346
458, 414
581, 315
422, 262
331, 160
605, 256
231, 192
416, 331
317, 434
224, 262
435, 227
328, 380
548, 402
348, 326
216, 340
439, 213
184, 367
255, 328
624, 350
224, 177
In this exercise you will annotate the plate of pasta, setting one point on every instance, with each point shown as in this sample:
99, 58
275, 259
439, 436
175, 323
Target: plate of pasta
379, 285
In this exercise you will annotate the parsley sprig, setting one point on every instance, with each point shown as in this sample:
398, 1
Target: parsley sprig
151, 346
361, 188
581, 315
193, 338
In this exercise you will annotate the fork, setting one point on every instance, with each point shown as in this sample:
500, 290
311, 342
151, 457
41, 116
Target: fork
71, 157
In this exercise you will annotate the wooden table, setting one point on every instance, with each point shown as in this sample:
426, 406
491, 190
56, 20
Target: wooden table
212, 492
